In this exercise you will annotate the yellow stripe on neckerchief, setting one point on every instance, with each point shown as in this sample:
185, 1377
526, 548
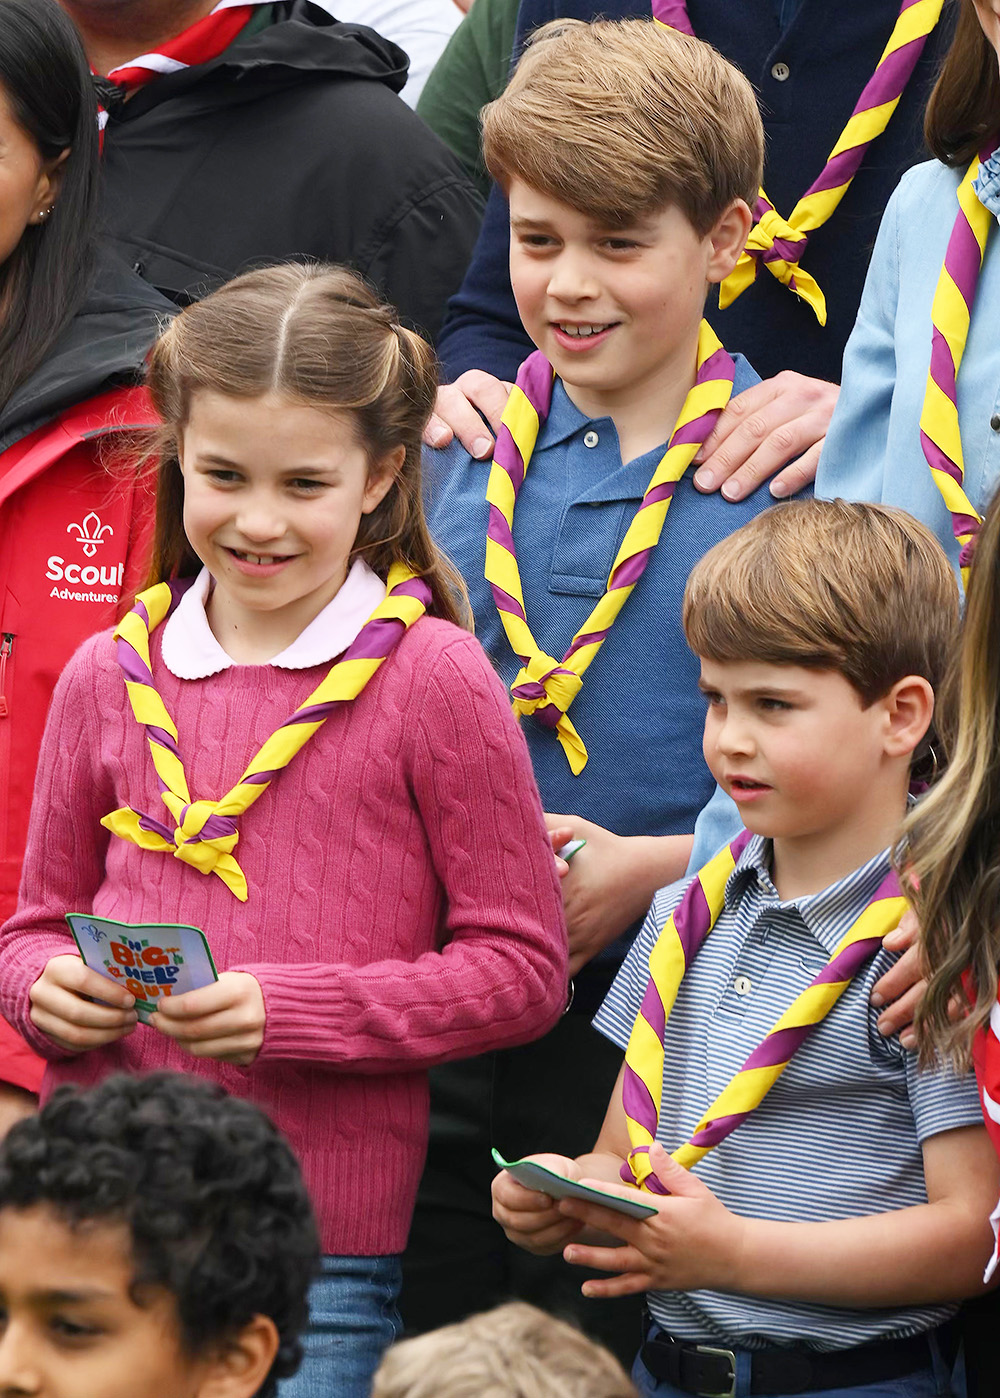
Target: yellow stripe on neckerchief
951, 315
674, 950
546, 687
204, 833
778, 244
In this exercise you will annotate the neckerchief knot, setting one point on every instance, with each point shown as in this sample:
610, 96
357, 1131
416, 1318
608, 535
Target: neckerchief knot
779, 245
775, 244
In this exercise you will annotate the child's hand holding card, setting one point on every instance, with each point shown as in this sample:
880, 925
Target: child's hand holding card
151, 960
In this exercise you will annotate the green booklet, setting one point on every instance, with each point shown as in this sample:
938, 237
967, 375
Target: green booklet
556, 1186
151, 959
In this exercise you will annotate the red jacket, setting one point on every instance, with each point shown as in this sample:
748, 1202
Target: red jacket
74, 537
74, 544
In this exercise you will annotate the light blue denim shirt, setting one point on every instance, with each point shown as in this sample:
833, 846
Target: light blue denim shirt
873, 450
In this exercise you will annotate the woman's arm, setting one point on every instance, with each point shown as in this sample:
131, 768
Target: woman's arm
852, 464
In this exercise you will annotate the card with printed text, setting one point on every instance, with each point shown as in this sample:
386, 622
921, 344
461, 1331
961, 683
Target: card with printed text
151, 959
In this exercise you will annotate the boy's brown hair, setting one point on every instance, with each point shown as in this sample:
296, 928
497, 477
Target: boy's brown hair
620, 119
862, 589
514, 1351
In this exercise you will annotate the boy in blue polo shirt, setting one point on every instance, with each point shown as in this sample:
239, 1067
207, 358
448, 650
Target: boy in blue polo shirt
836, 1208
631, 155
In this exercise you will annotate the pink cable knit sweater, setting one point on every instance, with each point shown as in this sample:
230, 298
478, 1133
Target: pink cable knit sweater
403, 904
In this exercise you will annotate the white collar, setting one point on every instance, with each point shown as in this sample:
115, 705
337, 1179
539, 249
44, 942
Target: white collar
191, 652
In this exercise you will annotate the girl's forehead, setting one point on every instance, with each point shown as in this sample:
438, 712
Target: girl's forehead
268, 424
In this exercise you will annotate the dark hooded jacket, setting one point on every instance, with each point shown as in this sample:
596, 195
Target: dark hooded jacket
292, 143
75, 524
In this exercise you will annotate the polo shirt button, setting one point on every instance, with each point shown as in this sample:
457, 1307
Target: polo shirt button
995, 422
743, 985
590, 439
780, 72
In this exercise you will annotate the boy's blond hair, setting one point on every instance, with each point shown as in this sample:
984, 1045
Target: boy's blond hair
515, 1351
862, 589
620, 119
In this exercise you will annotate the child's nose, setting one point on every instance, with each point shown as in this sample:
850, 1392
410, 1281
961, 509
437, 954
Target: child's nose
258, 520
571, 278
20, 1376
735, 737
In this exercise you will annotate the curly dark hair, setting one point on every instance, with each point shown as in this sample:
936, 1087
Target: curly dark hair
209, 1189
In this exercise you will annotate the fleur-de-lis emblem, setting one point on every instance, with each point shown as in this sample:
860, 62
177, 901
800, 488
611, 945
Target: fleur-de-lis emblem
91, 533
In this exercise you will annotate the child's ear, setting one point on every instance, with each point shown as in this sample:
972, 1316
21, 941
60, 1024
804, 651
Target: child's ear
728, 239
240, 1368
52, 177
909, 708
381, 475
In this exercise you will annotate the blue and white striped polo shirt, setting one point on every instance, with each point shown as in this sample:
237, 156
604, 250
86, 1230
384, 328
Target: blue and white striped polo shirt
839, 1134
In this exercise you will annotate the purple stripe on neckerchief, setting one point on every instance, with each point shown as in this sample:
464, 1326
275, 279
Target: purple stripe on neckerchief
637, 1101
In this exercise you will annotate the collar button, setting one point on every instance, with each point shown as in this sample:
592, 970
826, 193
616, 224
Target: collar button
590, 439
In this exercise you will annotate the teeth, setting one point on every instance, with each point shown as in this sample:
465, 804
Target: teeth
582, 332
258, 558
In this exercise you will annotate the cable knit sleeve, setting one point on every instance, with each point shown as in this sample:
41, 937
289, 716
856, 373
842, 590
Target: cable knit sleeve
500, 979
64, 859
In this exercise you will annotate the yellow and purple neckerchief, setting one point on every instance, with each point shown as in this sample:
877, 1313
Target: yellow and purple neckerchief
674, 950
204, 833
546, 687
951, 315
778, 244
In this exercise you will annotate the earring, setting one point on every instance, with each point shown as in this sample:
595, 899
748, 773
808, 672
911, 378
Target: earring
44, 213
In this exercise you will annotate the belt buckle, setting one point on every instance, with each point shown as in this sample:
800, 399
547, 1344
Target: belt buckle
729, 1392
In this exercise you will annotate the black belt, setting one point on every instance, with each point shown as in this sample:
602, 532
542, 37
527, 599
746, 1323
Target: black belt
710, 1371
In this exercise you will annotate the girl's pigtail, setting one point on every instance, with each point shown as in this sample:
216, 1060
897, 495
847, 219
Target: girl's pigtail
951, 848
420, 375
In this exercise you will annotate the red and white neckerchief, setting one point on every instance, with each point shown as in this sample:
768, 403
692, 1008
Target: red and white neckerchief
200, 43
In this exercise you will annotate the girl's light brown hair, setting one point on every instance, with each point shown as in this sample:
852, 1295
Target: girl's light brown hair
317, 336
619, 119
963, 113
952, 838
514, 1351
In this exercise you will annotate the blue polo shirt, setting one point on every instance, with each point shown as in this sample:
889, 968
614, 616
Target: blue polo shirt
839, 1135
640, 712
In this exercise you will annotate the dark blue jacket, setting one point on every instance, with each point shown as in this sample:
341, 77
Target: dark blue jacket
830, 51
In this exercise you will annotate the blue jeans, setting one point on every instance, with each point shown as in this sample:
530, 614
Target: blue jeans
935, 1382
352, 1322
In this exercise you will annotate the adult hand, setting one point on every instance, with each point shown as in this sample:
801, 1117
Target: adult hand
455, 412
60, 1009
610, 883
224, 1020
690, 1243
531, 1219
761, 430
902, 987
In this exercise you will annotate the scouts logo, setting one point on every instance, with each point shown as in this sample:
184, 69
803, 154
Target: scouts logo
91, 533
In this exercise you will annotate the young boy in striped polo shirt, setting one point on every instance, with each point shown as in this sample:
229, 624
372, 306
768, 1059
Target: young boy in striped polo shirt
844, 1213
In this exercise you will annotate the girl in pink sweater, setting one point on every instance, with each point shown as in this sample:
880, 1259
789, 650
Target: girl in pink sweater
378, 888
